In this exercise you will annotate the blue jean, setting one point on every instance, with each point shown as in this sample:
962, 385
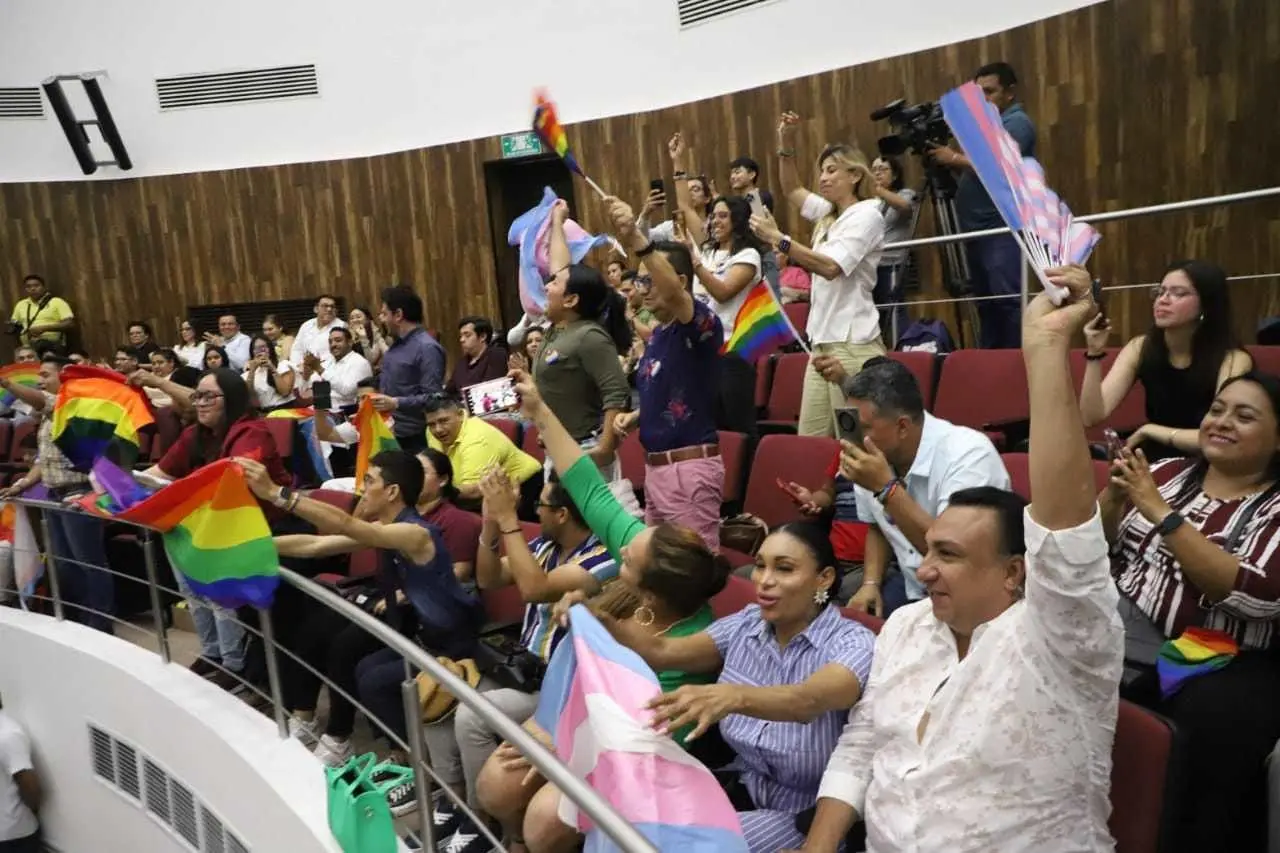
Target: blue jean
995, 269
222, 638
893, 321
893, 592
77, 545
378, 680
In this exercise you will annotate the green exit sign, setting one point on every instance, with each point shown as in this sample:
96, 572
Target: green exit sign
524, 144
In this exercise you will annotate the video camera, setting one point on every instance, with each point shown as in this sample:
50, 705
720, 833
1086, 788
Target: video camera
917, 128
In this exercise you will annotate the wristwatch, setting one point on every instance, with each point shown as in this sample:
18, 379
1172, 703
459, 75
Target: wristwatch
784, 245
1170, 523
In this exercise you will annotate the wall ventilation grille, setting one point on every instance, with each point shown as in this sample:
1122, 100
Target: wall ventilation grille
700, 11
237, 87
23, 102
166, 799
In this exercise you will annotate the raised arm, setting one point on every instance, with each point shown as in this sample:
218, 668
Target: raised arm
792, 187
667, 286
33, 397
679, 152
1100, 396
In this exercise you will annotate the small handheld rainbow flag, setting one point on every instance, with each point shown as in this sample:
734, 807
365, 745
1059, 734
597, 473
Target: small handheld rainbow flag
27, 375
213, 531
97, 413
308, 451
761, 326
1197, 652
375, 437
547, 125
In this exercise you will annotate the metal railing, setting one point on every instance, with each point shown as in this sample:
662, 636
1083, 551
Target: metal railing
622, 833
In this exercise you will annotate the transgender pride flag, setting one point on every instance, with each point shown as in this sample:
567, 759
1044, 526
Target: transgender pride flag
593, 703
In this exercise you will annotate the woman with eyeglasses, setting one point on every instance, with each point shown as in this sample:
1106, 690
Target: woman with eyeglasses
225, 426
270, 380
1188, 354
191, 346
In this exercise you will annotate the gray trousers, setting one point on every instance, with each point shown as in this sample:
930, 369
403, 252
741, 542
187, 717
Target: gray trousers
460, 745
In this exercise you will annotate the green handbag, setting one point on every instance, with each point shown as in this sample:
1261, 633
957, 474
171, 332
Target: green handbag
359, 816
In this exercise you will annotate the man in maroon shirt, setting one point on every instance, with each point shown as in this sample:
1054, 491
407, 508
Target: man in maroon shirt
480, 361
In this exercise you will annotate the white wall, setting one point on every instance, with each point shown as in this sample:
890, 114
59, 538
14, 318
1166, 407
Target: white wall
57, 677
403, 74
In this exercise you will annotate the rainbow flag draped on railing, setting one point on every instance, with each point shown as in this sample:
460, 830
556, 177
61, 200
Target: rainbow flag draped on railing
593, 703
1197, 652
761, 326
212, 526
98, 414
19, 374
308, 451
375, 437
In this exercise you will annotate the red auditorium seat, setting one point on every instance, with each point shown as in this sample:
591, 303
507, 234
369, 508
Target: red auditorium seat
874, 623
631, 456
508, 427
733, 449
737, 559
24, 433
1132, 411
783, 411
793, 458
924, 367
502, 606
1265, 359
168, 428
983, 389
529, 443
6, 440
1020, 475
1144, 781
281, 430
737, 594
798, 314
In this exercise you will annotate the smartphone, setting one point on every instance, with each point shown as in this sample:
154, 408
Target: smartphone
487, 398
1098, 299
757, 205
322, 395
849, 426
657, 186
786, 490
1114, 443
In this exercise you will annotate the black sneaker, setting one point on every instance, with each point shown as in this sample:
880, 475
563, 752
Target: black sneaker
403, 798
205, 667
445, 815
229, 680
465, 839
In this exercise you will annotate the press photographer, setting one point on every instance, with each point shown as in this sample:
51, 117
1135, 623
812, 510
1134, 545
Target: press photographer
40, 320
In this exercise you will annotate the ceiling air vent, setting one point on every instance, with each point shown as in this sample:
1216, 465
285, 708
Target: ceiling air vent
237, 87
21, 102
700, 11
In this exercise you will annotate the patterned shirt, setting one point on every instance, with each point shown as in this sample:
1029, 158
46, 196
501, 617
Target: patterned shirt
55, 468
781, 764
677, 378
1010, 748
541, 633
1150, 577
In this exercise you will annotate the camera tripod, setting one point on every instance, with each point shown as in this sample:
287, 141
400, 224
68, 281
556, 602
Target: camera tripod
940, 190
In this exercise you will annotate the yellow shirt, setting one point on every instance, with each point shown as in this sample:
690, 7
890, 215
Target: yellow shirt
478, 446
29, 313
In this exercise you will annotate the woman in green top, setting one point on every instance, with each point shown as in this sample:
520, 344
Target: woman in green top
668, 573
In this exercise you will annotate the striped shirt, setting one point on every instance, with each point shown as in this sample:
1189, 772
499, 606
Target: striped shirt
55, 468
540, 633
781, 764
1147, 573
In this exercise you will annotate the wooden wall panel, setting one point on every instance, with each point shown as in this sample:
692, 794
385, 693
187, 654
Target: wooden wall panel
1137, 102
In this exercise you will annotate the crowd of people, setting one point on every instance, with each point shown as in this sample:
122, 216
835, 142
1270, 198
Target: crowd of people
982, 717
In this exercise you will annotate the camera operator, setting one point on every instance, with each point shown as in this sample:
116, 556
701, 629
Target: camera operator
40, 319
995, 263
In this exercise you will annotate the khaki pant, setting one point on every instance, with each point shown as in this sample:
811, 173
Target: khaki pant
821, 398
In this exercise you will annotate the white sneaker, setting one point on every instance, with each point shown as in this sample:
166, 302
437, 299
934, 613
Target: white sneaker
333, 752
303, 731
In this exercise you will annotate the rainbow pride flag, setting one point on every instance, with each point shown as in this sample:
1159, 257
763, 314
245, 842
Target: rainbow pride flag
375, 437
98, 414
19, 374
593, 702
761, 326
1197, 652
547, 125
212, 527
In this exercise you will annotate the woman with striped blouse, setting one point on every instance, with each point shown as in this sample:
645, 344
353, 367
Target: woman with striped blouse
1196, 543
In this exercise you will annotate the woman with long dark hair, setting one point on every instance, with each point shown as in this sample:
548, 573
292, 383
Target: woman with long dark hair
368, 337
214, 358
1183, 359
438, 504
225, 426
190, 346
270, 380
281, 341
578, 370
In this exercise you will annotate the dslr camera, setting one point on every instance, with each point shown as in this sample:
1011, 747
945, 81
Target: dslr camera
916, 128
14, 328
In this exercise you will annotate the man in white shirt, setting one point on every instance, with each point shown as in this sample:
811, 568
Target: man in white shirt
904, 477
311, 344
19, 790
233, 341
343, 370
988, 720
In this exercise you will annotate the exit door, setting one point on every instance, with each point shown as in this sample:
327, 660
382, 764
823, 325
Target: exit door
513, 187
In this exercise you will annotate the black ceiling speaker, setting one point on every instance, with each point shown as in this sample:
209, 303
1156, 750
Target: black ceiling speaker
74, 128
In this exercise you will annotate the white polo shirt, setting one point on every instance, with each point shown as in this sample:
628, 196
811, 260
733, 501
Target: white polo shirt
719, 261
841, 309
314, 339
16, 820
343, 377
950, 458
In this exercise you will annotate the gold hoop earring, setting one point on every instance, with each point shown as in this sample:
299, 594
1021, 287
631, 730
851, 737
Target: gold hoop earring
643, 616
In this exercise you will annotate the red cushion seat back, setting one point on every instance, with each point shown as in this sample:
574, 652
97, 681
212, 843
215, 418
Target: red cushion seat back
802, 459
